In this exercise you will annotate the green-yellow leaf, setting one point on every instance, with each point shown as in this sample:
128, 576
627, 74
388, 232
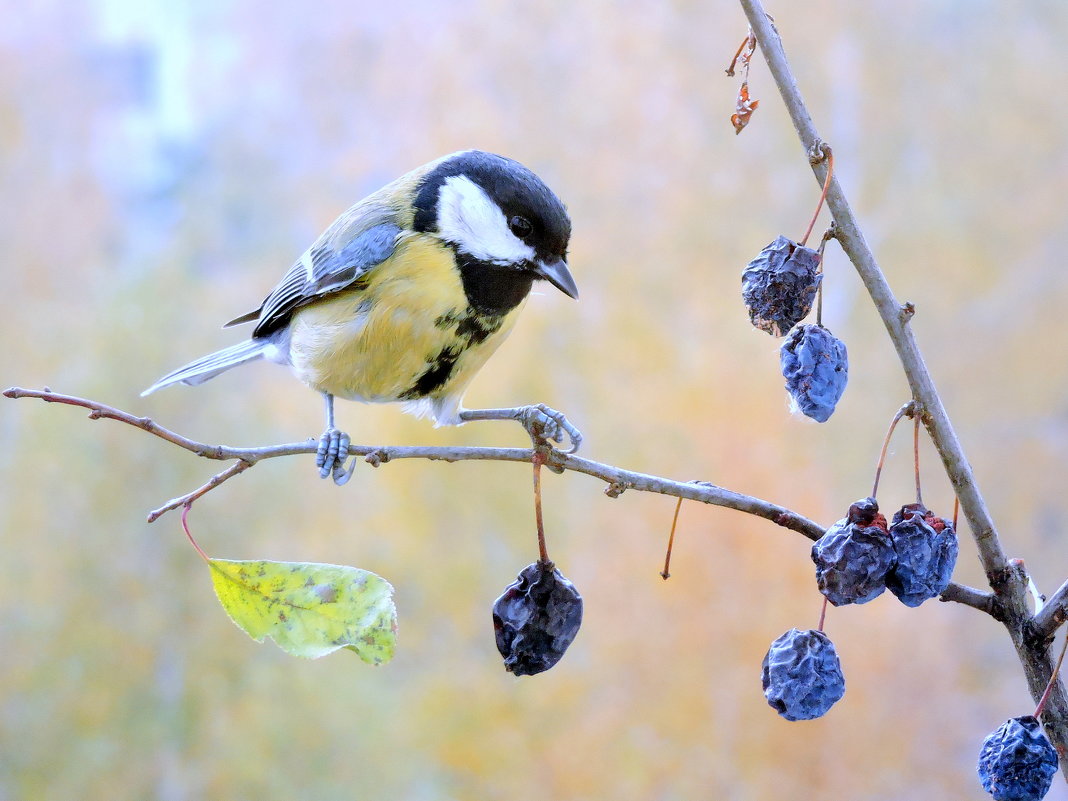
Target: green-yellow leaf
309, 609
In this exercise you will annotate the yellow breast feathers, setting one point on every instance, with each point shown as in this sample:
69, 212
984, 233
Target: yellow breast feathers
405, 334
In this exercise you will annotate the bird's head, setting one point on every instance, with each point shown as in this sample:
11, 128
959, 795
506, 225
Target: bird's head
496, 213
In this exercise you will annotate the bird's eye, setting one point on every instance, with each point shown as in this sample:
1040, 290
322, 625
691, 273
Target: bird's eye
520, 226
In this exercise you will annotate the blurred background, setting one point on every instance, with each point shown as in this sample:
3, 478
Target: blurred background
161, 165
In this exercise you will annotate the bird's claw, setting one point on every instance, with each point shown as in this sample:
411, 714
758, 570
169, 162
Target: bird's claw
545, 424
331, 455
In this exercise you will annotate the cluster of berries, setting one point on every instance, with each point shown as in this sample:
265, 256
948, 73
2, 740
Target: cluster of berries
778, 288
856, 559
860, 556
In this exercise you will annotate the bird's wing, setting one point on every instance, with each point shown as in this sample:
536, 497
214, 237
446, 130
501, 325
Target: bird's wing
358, 241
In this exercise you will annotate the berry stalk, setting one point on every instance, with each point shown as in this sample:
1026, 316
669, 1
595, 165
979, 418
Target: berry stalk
666, 573
916, 455
902, 412
829, 156
1052, 680
539, 460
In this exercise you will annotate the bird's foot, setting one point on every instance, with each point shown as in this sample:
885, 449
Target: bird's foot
545, 424
331, 455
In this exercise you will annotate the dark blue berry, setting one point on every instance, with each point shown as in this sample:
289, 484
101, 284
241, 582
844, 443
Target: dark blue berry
801, 675
778, 286
1017, 762
536, 618
816, 367
854, 556
926, 550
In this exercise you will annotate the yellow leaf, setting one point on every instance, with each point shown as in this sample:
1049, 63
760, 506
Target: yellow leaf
309, 609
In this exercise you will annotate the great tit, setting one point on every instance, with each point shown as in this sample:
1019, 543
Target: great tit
408, 293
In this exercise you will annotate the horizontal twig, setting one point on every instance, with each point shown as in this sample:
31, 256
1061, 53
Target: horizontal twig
969, 596
617, 479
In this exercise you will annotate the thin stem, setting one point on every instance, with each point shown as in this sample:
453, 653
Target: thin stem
904, 410
916, 457
1052, 681
187, 500
185, 527
956, 511
539, 460
819, 266
666, 572
738, 53
829, 156
823, 614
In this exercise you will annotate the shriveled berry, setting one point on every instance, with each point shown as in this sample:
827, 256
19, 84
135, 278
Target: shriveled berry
926, 549
802, 676
536, 618
816, 368
854, 556
778, 286
1017, 762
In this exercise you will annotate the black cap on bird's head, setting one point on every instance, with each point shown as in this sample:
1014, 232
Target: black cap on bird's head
496, 214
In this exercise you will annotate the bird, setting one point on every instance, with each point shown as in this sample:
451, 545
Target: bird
405, 296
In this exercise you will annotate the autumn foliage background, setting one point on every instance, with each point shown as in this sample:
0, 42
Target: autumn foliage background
161, 166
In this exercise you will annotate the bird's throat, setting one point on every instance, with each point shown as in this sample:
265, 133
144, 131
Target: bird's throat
491, 289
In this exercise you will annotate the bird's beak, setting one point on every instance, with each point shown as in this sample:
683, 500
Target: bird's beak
557, 274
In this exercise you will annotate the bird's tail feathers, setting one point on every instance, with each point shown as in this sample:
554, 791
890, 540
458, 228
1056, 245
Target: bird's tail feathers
211, 365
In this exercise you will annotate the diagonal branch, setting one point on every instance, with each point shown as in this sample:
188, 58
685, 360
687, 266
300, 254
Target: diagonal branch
1007, 578
852, 240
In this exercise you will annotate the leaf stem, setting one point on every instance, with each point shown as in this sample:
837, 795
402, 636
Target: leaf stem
185, 526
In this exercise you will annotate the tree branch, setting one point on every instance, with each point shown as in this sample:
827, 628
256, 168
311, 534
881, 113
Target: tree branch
1052, 615
617, 479
1008, 580
852, 240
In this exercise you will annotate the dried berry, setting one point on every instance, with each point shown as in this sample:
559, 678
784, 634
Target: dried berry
854, 556
536, 618
779, 285
926, 549
1017, 762
801, 675
816, 368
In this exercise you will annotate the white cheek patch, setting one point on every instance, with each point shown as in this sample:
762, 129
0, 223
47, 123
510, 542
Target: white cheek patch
469, 219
